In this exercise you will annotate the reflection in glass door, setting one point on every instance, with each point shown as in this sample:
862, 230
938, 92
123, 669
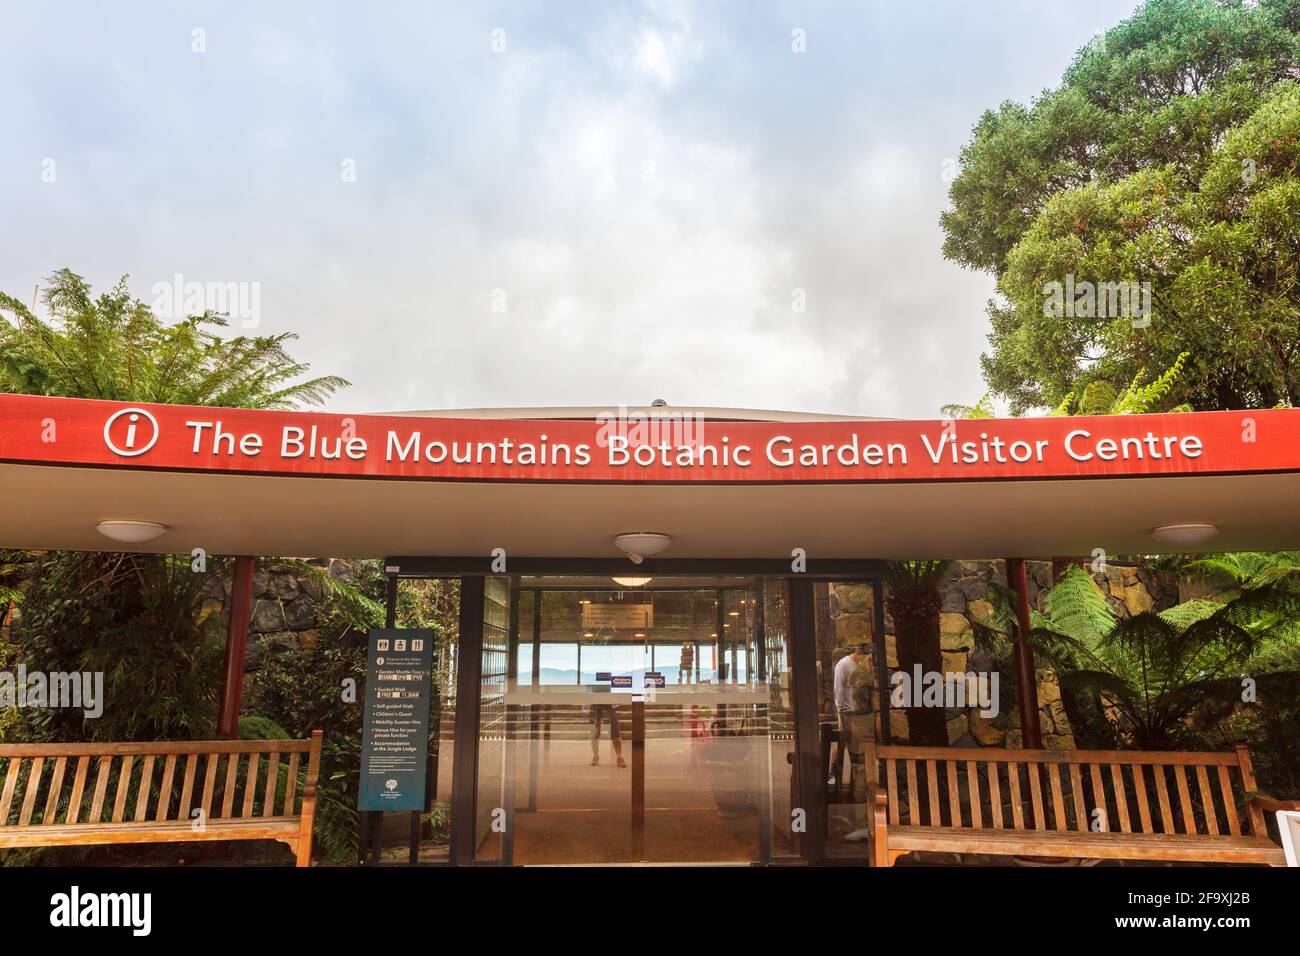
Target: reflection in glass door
640, 721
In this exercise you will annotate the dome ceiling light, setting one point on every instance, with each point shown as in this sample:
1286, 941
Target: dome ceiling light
131, 532
632, 582
640, 545
1184, 535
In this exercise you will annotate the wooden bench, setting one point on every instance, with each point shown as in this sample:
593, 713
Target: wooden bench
145, 792
1129, 805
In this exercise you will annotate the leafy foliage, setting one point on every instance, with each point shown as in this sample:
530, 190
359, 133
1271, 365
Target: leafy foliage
138, 619
1169, 154
112, 346
1099, 397
1154, 672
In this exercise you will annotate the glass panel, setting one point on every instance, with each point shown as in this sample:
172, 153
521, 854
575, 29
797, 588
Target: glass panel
780, 720
492, 808
705, 744
848, 706
643, 732
434, 604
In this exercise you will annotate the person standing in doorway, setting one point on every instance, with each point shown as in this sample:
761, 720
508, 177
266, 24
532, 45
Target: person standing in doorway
846, 706
600, 713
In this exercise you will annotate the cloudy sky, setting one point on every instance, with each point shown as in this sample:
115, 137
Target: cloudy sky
535, 203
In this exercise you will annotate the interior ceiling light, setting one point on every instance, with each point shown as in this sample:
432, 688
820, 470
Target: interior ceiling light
1184, 535
633, 582
132, 532
642, 544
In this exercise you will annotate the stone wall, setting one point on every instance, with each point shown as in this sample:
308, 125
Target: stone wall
284, 618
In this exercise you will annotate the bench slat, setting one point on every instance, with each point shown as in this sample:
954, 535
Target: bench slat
123, 785
1229, 802
891, 772
1058, 800
973, 787
101, 787
1185, 799
272, 778
29, 794
932, 785
209, 787
1114, 846
78, 789
250, 785
52, 798
177, 747
146, 784
291, 785
228, 796
187, 787
1099, 797
1121, 798
995, 795
1207, 799
1036, 794
954, 800
1146, 757
1162, 795
1140, 789
165, 790
1076, 792
1013, 781
11, 781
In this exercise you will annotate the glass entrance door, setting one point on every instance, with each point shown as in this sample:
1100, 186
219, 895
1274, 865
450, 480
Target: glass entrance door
640, 721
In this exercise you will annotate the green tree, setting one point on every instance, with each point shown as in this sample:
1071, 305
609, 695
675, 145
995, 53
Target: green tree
1168, 155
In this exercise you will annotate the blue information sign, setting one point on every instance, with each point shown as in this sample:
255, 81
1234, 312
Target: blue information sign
395, 729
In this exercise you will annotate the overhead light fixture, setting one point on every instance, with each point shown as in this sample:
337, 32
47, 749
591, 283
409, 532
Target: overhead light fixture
1184, 535
131, 532
640, 545
632, 582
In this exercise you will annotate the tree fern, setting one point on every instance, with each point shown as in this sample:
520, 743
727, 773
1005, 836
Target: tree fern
1077, 609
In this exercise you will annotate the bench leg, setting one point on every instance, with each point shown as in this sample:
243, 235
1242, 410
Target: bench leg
303, 850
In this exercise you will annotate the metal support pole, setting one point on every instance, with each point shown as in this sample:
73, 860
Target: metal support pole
241, 612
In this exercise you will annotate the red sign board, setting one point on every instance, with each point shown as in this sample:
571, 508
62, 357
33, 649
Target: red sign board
626, 446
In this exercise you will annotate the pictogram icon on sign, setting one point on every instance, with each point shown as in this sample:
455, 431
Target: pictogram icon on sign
135, 436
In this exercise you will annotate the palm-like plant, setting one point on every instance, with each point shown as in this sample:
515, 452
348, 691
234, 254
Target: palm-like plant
113, 347
1156, 670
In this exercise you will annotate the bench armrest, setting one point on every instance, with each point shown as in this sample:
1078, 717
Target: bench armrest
1272, 804
878, 813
